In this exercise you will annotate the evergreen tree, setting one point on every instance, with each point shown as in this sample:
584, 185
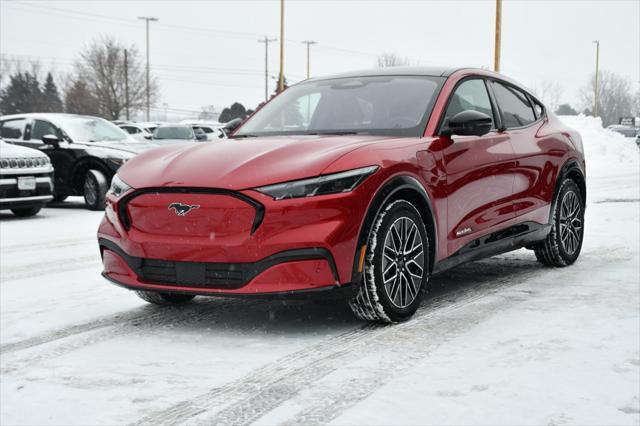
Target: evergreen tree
21, 95
51, 101
236, 110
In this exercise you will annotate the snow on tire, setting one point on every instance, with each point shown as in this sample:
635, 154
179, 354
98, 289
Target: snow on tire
396, 269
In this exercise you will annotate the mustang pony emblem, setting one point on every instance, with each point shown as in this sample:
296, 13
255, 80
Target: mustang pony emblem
182, 209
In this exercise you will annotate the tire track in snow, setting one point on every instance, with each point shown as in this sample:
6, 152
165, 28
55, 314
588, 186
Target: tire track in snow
51, 267
249, 398
163, 316
18, 248
404, 351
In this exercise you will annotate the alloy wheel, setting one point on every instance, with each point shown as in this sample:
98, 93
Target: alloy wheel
571, 222
403, 262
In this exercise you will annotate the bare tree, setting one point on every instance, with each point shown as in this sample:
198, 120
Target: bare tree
615, 99
102, 69
390, 59
549, 93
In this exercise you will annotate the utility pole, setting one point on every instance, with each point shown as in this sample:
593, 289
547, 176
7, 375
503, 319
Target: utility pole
597, 89
126, 82
148, 19
496, 57
281, 76
309, 43
266, 42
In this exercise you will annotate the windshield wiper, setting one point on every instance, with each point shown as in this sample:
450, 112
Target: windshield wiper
337, 133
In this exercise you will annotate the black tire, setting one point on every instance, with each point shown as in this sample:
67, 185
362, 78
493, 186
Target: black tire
94, 189
564, 243
59, 198
26, 211
158, 298
394, 293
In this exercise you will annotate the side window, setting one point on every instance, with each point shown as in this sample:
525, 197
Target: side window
13, 129
515, 106
41, 128
470, 95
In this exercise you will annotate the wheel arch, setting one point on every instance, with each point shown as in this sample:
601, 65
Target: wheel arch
398, 187
570, 169
81, 168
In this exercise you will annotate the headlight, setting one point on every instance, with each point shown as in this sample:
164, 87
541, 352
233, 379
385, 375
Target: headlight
118, 161
118, 187
327, 184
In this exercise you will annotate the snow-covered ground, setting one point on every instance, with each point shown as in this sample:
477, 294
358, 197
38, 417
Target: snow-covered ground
499, 341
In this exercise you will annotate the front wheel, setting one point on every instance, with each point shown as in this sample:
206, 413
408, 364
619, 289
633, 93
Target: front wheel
396, 268
158, 298
563, 244
95, 189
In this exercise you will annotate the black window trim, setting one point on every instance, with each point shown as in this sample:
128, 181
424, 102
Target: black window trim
529, 98
497, 114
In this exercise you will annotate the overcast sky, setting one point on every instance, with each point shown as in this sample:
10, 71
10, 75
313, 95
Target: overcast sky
206, 52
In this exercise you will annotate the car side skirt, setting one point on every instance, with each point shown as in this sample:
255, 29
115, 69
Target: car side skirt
505, 240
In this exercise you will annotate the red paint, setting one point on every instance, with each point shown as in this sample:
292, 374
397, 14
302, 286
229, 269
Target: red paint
483, 183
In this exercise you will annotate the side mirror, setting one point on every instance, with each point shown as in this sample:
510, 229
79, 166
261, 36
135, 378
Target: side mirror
51, 140
148, 136
232, 125
201, 136
468, 123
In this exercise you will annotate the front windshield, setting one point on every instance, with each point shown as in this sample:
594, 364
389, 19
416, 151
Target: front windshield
381, 105
92, 129
173, 132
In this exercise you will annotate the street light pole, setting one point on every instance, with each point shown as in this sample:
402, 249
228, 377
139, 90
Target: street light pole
266, 42
496, 57
597, 89
281, 76
309, 43
148, 19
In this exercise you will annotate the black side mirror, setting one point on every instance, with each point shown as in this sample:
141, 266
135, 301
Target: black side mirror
468, 123
51, 140
232, 125
201, 136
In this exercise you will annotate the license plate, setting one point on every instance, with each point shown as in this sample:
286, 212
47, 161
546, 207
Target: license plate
26, 183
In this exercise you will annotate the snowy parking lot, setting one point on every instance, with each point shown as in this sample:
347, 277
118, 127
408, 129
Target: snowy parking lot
499, 341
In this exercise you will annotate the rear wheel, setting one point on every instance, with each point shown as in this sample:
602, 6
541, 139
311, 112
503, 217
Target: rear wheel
158, 298
95, 189
563, 244
26, 211
396, 268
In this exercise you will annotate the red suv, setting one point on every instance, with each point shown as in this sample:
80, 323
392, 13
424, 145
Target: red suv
358, 185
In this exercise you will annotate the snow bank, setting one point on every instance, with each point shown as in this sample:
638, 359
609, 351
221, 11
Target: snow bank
607, 153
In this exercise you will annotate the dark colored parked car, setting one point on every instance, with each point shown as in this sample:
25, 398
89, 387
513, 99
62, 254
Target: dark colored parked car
26, 179
85, 151
361, 185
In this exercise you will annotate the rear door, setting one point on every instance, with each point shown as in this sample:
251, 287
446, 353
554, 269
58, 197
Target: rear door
537, 154
479, 171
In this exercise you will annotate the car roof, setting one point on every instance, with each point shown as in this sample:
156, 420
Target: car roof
45, 115
433, 71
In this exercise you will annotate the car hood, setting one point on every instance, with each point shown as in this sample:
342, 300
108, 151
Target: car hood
8, 150
239, 163
130, 146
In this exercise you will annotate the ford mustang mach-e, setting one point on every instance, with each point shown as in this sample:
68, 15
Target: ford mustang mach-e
360, 185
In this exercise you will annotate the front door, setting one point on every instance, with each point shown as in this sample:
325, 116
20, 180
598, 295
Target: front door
479, 172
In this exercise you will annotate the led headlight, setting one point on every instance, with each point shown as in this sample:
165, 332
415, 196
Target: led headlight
321, 185
118, 187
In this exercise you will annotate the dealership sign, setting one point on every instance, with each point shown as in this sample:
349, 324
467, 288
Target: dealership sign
628, 121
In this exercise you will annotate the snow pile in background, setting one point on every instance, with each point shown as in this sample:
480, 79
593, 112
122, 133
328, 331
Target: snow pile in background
607, 153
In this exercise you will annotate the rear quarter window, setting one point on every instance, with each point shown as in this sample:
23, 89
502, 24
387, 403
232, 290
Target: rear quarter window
13, 129
516, 109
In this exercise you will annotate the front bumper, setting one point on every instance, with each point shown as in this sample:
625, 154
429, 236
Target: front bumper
11, 197
295, 245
